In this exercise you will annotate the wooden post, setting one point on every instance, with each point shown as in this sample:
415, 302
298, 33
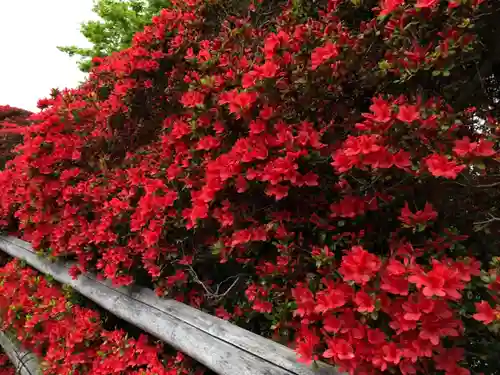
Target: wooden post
23, 361
216, 343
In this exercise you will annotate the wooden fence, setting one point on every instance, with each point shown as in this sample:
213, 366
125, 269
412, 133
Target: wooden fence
23, 361
219, 345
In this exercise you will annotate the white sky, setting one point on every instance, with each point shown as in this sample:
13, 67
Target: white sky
30, 63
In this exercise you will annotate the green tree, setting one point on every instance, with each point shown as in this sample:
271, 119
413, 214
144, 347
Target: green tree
119, 21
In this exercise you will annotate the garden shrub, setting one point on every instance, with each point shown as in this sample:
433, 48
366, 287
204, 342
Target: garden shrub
299, 172
70, 339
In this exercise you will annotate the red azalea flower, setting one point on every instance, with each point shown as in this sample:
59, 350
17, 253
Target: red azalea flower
381, 111
376, 336
401, 159
262, 306
359, 265
329, 299
485, 312
339, 348
464, 147
419, 217
192, 99
304, 299
222, 313
408, 113
364, 144
440, 166
267, 70
322, 54
306, 344
388, 6
426, 3
278, 191
364, 302
484, 148
332, 324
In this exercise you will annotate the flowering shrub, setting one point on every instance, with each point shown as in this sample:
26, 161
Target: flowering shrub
70, 339
268, 170
6, 368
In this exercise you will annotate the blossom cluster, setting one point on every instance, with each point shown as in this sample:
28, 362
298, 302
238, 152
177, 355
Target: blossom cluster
273, 174
71, 339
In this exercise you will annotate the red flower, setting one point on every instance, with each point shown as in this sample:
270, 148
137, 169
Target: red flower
441, 281
262, 306
408, 113
381, 159
484, 148
426, 3
268, 70
485, 313
222, 313
448, 360
395, 284
401, 159
343, 163
364, 144
309, 179
304, 299
241, 237
74, 272
278, 191
249, 79
388, 6
239, 102
306, 343
339, 348
391, 353
359, 265
257, 126
322, 54
271, 44
364, 302
329, 299
376, 336
464, 147
420, 217
381, 111
192, 99
332, 324
440, 166
207, 143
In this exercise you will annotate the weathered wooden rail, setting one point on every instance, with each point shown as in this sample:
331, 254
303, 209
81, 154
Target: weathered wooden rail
23, 361
216, 343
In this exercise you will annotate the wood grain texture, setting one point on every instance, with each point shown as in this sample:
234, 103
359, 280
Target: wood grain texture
216, 343
23, 361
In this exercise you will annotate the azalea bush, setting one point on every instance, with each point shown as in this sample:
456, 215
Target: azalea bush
297, 168
69, 338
